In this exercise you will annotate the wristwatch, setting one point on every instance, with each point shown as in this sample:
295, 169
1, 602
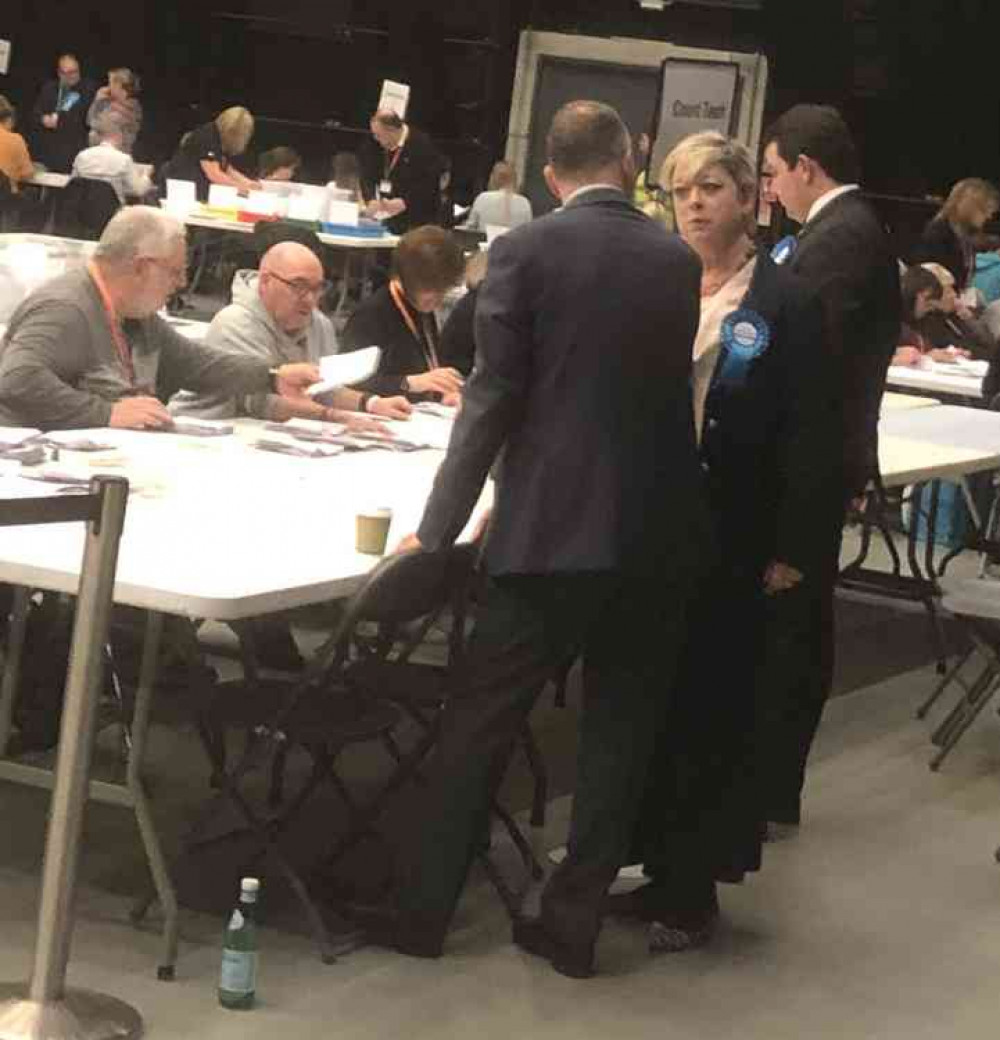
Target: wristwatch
272, 379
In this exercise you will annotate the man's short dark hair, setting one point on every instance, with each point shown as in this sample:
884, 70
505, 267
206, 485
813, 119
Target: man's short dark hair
428, 259
915, 281
585, 137
819, 133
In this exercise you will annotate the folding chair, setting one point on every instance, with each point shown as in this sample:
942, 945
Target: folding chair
326, 711
975, 604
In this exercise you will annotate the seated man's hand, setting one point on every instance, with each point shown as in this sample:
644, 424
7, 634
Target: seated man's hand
907, 356
140, 413
390, 407
438, 380
293, 380
410, 543
50, 121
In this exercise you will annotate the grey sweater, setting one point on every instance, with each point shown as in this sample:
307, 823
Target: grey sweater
246, 328
59, 369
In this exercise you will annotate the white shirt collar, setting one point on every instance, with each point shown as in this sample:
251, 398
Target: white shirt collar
592, 187
824, 200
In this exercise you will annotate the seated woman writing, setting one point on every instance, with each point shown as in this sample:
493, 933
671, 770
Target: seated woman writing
400, 319
936, 325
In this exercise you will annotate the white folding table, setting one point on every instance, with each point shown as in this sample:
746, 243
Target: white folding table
946, 380
215, 529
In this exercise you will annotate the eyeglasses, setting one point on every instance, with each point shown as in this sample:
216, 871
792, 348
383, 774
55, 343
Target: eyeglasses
303, 289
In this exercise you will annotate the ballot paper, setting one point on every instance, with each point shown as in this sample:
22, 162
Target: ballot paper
307, 429
297, 448
339, 370
14, 436
200, 427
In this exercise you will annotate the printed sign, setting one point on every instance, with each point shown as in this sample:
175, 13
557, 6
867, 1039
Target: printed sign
395, 98
695, 96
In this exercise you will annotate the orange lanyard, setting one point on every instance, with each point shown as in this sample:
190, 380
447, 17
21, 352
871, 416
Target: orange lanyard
122, 348
430, 354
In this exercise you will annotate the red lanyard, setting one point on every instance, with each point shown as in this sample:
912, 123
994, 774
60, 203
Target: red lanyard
122, 348
430, 355
391, 163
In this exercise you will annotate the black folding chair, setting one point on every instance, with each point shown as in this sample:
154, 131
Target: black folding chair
84, 208
333, 706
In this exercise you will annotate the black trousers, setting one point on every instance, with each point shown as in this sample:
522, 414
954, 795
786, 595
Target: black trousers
796, 676
630, 630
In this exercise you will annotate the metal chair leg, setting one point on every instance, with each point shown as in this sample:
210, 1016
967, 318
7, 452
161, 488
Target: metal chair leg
968, 718
944, 684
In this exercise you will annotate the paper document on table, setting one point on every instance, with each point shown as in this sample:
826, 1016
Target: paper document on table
200, 427
298, 450
339, 370
11, 436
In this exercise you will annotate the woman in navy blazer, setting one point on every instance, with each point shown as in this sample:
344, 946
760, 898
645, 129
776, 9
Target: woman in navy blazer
769, 435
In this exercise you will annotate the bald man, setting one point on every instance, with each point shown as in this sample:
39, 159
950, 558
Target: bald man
275, 316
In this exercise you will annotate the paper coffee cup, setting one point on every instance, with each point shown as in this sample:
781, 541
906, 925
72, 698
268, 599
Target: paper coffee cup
372, 530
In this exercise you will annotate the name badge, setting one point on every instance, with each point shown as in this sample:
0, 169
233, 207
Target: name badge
385, 188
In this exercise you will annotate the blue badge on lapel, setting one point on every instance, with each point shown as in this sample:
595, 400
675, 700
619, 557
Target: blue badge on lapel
745, 334
785, 249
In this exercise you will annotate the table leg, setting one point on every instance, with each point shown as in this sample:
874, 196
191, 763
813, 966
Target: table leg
12, 665
143, 809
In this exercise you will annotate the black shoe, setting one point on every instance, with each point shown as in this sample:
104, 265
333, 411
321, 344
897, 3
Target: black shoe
386, 927
638, 904
576, 963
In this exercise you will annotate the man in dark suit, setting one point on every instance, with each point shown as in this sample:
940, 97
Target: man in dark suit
584, 328
401, 174
60, 115
844, 254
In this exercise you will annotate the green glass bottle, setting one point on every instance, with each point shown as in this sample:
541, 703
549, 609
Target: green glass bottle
238, 979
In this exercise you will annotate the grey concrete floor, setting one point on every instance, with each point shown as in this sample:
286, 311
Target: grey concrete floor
881, 920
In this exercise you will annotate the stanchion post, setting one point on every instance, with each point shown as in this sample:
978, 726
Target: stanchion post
47, 1011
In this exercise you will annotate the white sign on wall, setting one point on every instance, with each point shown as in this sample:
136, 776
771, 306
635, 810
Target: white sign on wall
695, 96
4, 57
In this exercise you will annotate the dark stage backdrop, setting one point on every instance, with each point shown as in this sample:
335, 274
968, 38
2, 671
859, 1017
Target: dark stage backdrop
916, 79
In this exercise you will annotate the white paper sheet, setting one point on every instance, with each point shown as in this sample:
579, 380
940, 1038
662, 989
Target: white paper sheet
345, 369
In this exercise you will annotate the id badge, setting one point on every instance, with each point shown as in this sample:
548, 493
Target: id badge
385, 188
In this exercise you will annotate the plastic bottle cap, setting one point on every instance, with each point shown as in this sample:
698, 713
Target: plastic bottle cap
250, 884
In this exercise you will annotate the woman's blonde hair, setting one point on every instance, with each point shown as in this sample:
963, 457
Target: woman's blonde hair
503, 177
971, 191
945, 278
235, 127
127, 80
697, 153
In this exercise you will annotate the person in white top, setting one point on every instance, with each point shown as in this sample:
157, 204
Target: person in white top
106, 161
500, 205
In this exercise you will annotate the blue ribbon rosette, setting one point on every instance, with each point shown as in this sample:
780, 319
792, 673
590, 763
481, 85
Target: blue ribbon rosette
745, 336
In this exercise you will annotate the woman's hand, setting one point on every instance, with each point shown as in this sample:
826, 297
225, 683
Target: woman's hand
390, 407
908, 356
443, 381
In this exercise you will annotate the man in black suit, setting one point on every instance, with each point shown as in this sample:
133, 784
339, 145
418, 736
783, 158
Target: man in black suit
401, 174
843, 253
584, 328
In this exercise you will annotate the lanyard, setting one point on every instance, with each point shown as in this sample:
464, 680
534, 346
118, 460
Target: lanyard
122, 348
390, 164
430, 354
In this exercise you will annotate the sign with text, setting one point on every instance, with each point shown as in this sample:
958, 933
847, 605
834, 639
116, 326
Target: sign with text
395, 98
694, 96
4, 57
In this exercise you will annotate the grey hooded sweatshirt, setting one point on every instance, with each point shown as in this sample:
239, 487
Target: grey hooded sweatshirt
246, 328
